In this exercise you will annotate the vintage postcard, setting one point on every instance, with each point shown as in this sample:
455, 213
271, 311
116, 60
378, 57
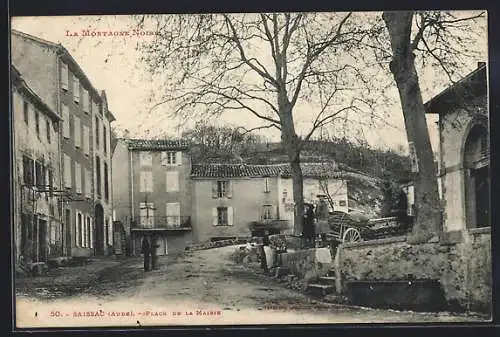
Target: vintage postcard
256, 168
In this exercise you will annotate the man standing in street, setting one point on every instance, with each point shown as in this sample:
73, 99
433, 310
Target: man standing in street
146, 250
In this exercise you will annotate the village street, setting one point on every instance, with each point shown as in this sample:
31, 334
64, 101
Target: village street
203, 287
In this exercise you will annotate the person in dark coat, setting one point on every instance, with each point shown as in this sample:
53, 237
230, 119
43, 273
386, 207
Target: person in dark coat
146, 250
309, 231
401, 209
263, 259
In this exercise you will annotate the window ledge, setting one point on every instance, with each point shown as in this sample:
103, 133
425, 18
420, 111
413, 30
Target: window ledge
481, 230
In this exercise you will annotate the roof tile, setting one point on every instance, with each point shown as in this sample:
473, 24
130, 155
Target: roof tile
156, 144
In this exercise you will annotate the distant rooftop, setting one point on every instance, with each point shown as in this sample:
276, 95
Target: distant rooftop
156, 144
309, 170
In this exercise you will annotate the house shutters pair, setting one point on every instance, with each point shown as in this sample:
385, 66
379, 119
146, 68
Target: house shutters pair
223, 216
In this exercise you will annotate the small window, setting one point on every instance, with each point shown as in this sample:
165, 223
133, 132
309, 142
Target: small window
76, 90
64, 76
28, 170
168, 158
266, 185
37, 123
222, 216
97, 131
268, 212
48, 127
26, 112
222, 188
342, 203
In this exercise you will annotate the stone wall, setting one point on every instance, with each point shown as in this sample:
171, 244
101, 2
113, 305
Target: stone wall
304, 264
464, 269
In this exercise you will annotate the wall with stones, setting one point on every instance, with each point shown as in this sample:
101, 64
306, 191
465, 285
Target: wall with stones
303, 264
463, 269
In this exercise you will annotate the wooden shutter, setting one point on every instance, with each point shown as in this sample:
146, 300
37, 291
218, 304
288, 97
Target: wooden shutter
64, 76
76, 89
214, 189
229, 192
65, 112
164, 158
173, 213
86, 140
67, 171
230, 213
91, 234
77, 230
178, 158
78, 136
214, 216
172, 181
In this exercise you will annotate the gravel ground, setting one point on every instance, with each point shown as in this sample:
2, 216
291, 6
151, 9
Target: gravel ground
203, 287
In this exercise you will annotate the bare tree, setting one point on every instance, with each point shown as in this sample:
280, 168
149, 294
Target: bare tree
440, 37
268, 65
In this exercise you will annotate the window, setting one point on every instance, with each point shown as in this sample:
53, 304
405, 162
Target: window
86, 140
342, 203
97, 132
173, 214
64, 76
48, 127
266, 185
26, 112
146, 211
86, 103
146, 181
169, 158
39, 174
50, 178
28, 172
172, 181
268, 212
78, 177
223, 216
104, 140
65, 112
67, 171
88, 188
91, 233
98, 176
37, 123
79, 230
76, 89
222, 189
78, 136
106, 183
146, 158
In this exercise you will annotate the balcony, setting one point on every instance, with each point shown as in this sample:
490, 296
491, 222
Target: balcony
162, 223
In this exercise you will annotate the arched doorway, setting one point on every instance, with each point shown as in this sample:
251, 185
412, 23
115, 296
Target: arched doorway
99, 230
477, 177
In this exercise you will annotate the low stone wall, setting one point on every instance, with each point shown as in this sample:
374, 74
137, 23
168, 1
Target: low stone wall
304, 264
464, 269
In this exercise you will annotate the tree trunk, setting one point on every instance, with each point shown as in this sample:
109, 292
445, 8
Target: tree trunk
292, 146
427, 222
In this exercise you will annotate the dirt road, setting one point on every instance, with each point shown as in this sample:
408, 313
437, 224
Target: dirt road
203, 287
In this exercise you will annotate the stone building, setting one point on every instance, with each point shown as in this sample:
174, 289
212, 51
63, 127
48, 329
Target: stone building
36, 217
464, 153
84, 135
152, 192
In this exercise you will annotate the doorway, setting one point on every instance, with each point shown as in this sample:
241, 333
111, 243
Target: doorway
477, 178
162, 246
42, 241
99, 230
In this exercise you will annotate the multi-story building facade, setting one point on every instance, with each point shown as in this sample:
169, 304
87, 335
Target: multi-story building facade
84, 137
36, 171
152, 192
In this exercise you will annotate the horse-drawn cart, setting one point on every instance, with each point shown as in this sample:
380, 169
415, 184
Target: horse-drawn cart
345, 228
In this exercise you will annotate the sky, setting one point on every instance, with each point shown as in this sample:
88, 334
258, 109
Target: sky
112, 64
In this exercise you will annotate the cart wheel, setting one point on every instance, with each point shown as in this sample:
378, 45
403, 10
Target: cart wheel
351, 235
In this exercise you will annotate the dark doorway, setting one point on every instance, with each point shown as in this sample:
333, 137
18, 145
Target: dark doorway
477, 178
42, 240
67, 230
99, 230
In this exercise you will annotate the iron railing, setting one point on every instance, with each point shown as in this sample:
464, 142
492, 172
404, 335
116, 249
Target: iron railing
162, 222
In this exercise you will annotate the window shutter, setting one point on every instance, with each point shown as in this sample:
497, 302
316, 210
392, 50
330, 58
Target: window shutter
178, 158
65, 112
86, 140
214, 216
164, 160
67, 171
77, 230
78, 137
76, 89
64, 76
214, 189
230, 212
229, 192
91, 234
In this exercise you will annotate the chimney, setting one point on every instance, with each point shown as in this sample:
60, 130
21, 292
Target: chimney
481, 64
